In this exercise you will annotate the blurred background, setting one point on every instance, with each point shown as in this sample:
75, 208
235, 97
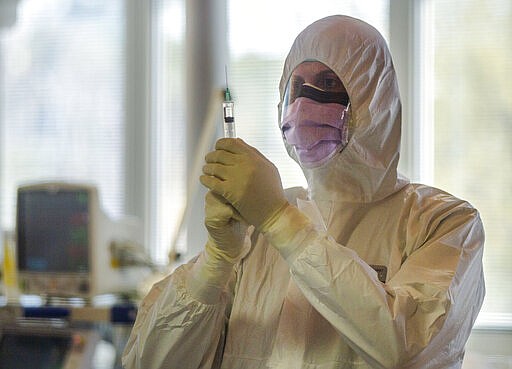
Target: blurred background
118, 93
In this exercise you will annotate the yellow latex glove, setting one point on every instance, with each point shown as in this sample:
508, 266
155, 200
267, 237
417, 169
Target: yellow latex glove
225, 246
226, 229
246, 179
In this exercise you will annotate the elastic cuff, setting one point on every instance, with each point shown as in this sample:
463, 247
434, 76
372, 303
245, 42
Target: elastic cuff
273, 218
209, 277
287, 232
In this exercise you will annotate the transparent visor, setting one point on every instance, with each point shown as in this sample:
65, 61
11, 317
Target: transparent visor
315, 81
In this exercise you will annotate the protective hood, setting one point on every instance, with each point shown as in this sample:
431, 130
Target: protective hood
366, 169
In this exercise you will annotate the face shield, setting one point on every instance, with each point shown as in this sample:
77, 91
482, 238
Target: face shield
315, 114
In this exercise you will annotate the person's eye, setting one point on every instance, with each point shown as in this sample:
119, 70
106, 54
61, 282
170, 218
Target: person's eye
330, 82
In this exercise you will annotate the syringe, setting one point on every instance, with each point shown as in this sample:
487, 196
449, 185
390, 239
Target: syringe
228, 111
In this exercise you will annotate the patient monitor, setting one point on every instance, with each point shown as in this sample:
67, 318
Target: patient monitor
64, 242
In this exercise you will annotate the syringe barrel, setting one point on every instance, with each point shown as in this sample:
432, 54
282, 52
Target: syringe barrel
229, 119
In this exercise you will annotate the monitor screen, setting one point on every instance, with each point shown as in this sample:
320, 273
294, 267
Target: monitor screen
53, 230
33, 351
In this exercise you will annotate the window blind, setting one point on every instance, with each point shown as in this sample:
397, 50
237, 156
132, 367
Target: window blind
63, 80
472, 129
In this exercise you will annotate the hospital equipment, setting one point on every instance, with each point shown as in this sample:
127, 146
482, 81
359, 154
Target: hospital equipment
67, 337
32, 345
68, 247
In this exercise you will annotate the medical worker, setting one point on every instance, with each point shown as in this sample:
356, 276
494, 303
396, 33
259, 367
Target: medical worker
361, 270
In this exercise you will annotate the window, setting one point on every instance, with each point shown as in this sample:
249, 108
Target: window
256, 56
472, 115
63, 100
168, 137
63, 115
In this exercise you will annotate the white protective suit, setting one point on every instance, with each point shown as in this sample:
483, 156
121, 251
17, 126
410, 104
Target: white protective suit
385, 274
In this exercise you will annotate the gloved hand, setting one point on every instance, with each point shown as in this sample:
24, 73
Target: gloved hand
226, 229
226, 235
246, 179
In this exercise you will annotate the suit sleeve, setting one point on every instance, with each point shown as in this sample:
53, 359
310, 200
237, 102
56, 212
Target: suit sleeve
426, 310
180, 323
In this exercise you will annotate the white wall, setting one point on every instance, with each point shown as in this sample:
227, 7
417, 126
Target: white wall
489, 349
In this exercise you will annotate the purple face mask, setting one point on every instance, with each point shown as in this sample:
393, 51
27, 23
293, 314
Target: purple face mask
317, 131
